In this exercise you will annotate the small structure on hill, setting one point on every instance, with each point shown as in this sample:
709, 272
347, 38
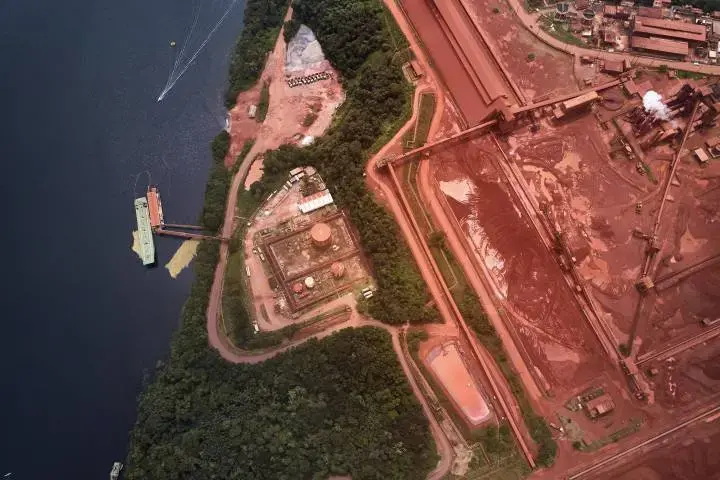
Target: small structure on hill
600, 406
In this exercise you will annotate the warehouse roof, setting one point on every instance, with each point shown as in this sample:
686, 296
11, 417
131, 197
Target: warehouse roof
315, 201
580, 100
670, 28
650, 12
662, 45
664, 32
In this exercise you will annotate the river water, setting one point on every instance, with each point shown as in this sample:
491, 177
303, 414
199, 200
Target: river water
82, 320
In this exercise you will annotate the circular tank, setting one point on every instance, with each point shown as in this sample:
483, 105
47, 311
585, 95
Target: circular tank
309, 282
298, 287
337, 269
321, 235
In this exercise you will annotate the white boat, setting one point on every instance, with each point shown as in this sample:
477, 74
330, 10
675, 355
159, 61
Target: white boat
115, 472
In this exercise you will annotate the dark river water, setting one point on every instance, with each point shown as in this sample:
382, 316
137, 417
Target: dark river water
82, 320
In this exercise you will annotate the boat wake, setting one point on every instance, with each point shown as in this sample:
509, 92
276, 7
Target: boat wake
184, 60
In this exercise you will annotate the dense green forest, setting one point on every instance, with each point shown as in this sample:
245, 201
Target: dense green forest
356, 38
340, 406
337, 406
706, 5
263, 19
218, 184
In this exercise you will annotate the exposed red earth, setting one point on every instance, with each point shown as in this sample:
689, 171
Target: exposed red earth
550, 163
484, 194
469, 78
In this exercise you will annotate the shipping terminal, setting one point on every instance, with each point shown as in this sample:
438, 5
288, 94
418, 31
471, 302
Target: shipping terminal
150, 219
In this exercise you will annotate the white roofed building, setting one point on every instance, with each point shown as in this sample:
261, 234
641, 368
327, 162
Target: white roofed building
315, 201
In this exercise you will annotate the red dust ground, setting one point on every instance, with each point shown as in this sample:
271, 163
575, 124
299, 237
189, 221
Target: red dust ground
550, 72
691, 456
450, 68
526, 279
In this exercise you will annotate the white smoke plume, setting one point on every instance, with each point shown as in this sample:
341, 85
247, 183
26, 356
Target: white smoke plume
652, 101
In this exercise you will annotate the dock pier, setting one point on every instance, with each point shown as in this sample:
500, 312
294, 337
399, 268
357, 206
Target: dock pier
188, 235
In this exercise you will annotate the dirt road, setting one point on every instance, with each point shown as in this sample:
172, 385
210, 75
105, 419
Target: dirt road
220, 342
382, 185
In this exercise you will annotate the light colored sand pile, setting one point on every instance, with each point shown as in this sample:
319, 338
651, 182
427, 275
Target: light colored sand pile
459, 189
303, 51
182, 258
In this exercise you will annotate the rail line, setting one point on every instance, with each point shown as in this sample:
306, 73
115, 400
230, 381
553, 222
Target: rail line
458, 318
681, 346
634, 449
650, 253
675, 277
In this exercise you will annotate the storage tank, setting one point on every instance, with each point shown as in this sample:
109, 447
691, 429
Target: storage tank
321, 235
309, 282
337, 269
298, 288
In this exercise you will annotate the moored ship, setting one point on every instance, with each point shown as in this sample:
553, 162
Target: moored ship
155, 207
145, 236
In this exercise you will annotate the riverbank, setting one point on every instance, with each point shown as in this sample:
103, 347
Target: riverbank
177, 433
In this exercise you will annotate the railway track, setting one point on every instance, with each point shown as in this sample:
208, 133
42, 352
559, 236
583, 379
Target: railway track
609, 461
681, 346
493, 377
675, 277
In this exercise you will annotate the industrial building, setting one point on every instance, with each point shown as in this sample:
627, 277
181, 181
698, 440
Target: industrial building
315, 201
672, 48
650, 12
600, 406
670, 29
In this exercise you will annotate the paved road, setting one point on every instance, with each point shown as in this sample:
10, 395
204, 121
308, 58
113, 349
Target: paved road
530, 21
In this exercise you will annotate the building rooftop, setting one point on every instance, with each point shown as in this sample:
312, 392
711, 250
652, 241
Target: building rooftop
650, 12
614, 67
662, 45
670, 28
315, 201
664, 32
600, 405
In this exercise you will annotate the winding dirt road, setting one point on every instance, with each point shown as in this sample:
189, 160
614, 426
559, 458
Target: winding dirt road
219, 341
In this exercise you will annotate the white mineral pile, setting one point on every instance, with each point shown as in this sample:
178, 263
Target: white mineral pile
303, 51
653, 104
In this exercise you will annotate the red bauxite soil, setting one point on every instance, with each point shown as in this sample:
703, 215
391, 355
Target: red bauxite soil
448, 65
526, 278
550, 72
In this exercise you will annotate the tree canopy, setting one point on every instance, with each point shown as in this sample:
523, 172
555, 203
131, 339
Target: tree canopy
340, 406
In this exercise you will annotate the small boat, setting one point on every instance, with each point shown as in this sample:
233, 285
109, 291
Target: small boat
115, 472
172, 43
